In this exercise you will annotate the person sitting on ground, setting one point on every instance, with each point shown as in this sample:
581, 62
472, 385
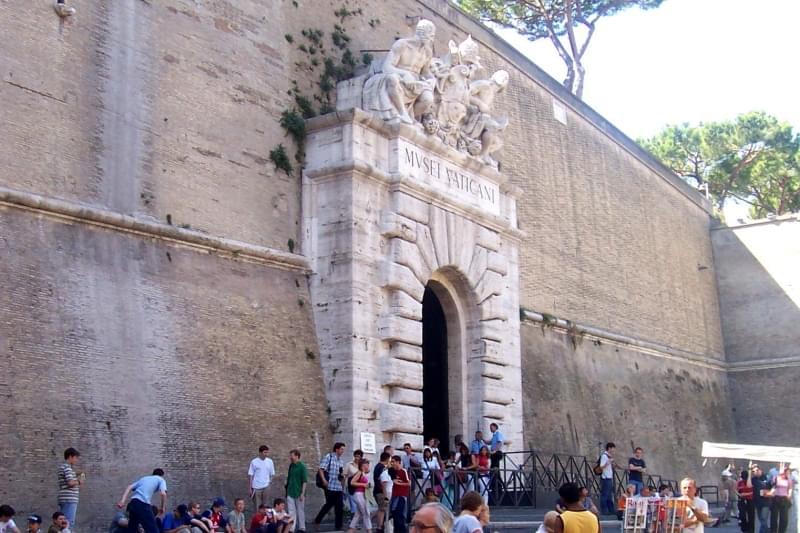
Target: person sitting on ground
258, 523
196, 519
575, 519
236, 520
630, 492
467, 521
279, 518
214, 516
119, 524
7, 524
177, 521
587, 502
60, 523
34, 523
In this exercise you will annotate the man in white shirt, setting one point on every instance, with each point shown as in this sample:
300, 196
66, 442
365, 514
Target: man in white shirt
696, 509
260, 474
607, 480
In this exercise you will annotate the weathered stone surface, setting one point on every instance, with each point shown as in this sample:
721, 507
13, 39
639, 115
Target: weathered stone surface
404, 305
400, 373
492, 351
407, 352
494, 391
407, 254
495, 307
401, 395
411, 207
394, 225
401, 278
492, 370
399, 439
395, 328
401, 418
497, 263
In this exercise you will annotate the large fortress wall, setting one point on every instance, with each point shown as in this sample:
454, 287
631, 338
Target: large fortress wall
577, 395
759, 292
142, 353
168, 111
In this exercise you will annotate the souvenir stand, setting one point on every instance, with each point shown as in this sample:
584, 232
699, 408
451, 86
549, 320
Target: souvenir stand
653, 515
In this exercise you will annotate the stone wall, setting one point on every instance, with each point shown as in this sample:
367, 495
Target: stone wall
759, 293
166, 112
142, 353
576, 396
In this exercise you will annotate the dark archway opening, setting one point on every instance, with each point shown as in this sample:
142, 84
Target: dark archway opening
435, 397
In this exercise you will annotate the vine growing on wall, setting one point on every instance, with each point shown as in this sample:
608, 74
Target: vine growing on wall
328, 59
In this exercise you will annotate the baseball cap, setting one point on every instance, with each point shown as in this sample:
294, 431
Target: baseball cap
218, 502
35, 518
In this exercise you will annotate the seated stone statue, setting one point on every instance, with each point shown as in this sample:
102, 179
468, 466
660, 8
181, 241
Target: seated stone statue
401, 86
482, 131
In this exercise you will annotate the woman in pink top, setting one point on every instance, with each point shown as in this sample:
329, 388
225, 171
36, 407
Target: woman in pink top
781, 501
359, 483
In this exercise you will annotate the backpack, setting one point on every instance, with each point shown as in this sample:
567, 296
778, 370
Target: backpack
597, 469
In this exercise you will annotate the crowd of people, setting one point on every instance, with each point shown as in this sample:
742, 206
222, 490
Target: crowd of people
382, 496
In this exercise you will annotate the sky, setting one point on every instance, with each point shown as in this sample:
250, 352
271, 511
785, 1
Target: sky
688, 61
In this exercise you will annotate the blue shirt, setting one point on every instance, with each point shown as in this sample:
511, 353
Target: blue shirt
145, 487
475, 446
170, 522
497, 441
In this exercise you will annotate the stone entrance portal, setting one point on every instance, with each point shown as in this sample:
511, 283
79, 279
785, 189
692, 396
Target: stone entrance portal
413, 246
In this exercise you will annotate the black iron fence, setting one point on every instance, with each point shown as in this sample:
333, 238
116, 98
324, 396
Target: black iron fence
520, 479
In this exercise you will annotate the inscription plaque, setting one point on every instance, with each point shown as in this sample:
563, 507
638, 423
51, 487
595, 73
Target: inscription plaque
445, 177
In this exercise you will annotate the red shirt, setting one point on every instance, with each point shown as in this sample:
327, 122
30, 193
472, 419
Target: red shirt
401, 490
257, 521
745, 492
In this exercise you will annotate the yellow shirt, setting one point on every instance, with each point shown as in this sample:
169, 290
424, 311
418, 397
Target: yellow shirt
579, 522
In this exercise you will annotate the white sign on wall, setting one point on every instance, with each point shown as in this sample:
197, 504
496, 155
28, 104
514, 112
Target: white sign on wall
368, 443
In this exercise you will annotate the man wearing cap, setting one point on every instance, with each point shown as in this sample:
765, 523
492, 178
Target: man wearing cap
214, 517
34, 523
140, 512
260, 474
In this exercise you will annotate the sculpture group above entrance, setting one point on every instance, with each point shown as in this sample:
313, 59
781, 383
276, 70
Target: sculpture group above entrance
445, 96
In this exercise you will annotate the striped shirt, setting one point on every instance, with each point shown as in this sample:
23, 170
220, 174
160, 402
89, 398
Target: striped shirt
67, 494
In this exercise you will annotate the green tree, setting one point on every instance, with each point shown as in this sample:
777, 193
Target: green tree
754, 158
558, 21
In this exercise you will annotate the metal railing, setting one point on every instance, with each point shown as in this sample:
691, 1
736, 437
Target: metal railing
519, 479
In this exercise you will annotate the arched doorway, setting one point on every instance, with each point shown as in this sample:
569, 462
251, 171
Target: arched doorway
449, 326
435, 397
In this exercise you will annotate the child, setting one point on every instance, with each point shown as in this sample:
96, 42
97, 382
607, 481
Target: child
34, 523
7, 524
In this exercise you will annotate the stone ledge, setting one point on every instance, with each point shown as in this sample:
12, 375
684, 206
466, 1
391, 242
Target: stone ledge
127, 224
